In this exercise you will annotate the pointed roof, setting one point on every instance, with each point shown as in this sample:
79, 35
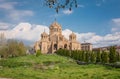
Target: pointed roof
72, 34
55, 24
44, 34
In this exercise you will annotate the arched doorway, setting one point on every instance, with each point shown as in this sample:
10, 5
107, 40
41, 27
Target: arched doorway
65, 46
55, 46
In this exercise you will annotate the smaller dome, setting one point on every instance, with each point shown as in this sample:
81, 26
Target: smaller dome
72, 35
55, 24
44, 34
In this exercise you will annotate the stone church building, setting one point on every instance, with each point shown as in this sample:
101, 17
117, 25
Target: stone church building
55, 40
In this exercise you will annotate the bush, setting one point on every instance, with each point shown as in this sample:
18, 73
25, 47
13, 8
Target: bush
116, 65
13, 48
38, 53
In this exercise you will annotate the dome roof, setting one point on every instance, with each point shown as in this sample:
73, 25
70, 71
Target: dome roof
55, 24
72, 35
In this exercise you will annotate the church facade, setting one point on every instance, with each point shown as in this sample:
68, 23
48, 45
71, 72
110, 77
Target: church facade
55, 40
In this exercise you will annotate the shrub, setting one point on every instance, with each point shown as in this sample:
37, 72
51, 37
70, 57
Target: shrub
38, 53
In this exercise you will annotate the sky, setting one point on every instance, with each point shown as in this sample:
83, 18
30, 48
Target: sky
93, 21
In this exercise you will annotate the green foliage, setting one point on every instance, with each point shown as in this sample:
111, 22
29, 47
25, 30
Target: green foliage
112, 55
13, 49
4, 52
92, 57
87, 56
118, 56
83, 56
98, 57
58, 4
53, 67
104, 57
38, 53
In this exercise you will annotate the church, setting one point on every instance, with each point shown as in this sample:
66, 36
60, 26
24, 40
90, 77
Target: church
53, 41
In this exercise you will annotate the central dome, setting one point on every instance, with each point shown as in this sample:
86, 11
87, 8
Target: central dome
55, 25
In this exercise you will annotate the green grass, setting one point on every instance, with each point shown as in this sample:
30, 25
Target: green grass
53, 67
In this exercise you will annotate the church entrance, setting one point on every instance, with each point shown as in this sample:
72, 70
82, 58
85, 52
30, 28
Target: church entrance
65, 46
55, 46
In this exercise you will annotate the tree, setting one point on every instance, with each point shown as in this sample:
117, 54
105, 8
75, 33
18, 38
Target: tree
80, 55
92, 57
13, 48
98, 57
118, 56
112, 55
4, 52
87, 56
104, 57
83, 56
61, 4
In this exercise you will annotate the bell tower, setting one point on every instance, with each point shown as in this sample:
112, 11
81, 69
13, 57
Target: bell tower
72, 37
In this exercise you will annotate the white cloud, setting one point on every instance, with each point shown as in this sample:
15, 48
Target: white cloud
32, 32
68, 12
25, 31
4, 26
81, 6
19, 14
7, 5
116, 25
12, 13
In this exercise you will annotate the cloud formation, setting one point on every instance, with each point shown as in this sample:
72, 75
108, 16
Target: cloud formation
12, 13
116, 25
67, 12
4, 26
32, 32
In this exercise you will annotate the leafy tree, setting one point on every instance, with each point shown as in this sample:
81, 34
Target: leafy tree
112, 55
4, 52
61, 4
13, 48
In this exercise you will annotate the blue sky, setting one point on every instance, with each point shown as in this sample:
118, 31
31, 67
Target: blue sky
101, 17
90, 16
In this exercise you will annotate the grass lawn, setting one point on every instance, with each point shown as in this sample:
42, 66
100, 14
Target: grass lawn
53, 67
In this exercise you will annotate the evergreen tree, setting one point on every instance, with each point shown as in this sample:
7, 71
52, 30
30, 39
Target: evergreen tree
98, 57
83, 56
104, 57
118, 56
80, 55
92, 57
112, 55
87, 56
